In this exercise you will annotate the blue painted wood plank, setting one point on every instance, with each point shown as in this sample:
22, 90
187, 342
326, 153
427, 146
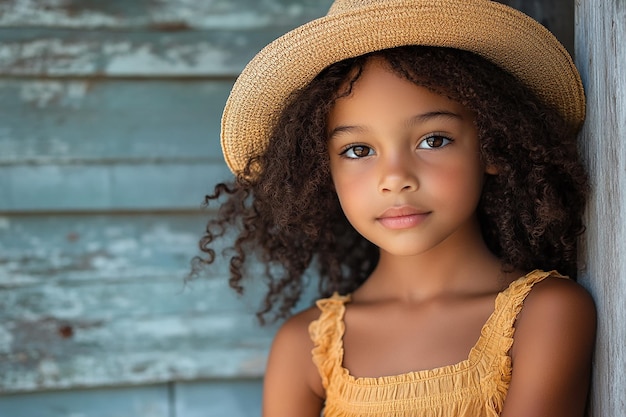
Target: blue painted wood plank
98, 187
236, 398
231, 398
99, 300
164, 15
148, 401
69, 121
76, 145
40, 249
130, 351
121, 113
92, 53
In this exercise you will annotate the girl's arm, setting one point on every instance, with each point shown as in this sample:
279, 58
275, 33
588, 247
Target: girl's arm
292, 385
552, 352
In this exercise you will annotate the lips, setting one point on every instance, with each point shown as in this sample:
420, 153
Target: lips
402, 217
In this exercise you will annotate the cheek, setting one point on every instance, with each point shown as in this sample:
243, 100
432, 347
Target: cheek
457, 184
352, 192
346, 179
347, 191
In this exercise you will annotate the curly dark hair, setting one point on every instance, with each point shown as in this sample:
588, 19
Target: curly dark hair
289, 217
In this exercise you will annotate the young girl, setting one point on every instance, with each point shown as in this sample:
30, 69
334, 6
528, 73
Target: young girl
420, 158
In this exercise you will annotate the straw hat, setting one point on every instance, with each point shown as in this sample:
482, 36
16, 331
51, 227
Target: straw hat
501, 34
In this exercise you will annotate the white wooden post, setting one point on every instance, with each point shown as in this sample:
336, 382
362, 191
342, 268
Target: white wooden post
600, 39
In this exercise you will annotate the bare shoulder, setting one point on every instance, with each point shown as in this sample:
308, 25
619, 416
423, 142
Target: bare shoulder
292, 385
556, 311
559, 301
292, 341
292, 338
297, 326
552, 351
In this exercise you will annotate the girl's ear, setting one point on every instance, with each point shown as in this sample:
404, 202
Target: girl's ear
491, 170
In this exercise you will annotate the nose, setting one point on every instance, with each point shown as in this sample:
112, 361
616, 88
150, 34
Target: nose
398, 173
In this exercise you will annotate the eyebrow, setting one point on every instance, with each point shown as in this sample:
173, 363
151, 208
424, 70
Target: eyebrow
422, 118
346, 129
417, 119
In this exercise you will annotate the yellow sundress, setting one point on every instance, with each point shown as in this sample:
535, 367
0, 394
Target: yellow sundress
475, 387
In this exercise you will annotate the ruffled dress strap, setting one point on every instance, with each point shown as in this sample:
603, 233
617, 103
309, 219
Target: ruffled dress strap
498, 335
326, 333
510, 302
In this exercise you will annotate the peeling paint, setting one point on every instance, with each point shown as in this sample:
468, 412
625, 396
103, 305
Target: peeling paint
11, 279
48, 13
109, 265
15, 150
96, 297
143, 13
41, 93
190, 60
48, 369
166, 236
5, 223
93, 246
49, 56
122, 246
6, 340
145, 57
46, 93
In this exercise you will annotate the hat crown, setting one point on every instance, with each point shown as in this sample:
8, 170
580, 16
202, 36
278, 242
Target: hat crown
343, 6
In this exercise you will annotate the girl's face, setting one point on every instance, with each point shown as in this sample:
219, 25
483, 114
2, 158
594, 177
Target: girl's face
405, 164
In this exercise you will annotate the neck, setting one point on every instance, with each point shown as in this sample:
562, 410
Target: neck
455, 266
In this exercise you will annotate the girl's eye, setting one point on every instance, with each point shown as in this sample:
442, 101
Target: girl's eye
357, 151
434, 142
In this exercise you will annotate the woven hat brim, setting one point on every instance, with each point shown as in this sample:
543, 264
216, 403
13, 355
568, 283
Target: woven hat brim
503, 35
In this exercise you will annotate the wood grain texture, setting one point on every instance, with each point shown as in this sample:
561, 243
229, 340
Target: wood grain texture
109, 139
173, 38
109, 145
68, 121
236, 398
600, 56
146, 401
210, 398
100, 300
118, 186
98, 53
167, 15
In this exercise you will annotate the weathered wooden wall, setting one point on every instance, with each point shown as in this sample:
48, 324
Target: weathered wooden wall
600, 56
109, 139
